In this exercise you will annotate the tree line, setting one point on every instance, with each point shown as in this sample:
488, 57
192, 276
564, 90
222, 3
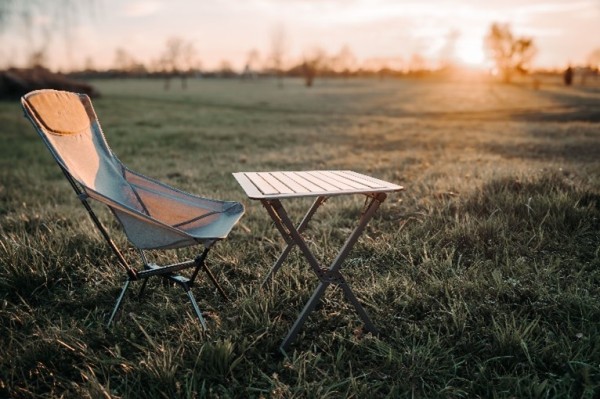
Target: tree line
179, 58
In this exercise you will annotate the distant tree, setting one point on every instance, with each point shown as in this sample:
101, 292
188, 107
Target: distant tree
37, 58
510, 54
252, 61
127, 65
314, 61
592, 67
123, 60
417, 63
35, 39
344, 62
593, 60
89, 65
278, 51
226, 69
178, 59
22, 14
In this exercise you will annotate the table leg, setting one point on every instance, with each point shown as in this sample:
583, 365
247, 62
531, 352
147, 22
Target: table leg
330, 275
289, 243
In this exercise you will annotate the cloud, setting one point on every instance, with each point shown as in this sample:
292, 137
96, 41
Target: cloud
142, 8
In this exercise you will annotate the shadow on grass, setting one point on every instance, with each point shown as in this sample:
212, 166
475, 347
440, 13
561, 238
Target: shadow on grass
584, 150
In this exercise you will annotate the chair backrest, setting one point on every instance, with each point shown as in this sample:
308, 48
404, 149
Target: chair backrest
69, 126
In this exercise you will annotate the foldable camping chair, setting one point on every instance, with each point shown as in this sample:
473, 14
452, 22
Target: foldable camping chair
153, 215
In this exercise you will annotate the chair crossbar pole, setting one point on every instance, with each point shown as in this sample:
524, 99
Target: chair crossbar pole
212, 278
160, 270
290, 245
143, 257
199, 262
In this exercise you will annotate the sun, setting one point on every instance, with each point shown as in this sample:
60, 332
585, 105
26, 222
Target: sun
469, 52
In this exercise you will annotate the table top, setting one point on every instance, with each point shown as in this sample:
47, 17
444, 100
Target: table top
272, 185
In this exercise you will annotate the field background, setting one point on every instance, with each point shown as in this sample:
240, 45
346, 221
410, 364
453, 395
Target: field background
484, 275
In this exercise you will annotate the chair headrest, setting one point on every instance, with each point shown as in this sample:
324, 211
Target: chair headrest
60, 112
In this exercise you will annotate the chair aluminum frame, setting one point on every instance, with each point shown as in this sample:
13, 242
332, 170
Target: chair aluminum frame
167, 272
150, 269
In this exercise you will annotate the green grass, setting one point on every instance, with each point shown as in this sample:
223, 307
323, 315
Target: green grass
484, 275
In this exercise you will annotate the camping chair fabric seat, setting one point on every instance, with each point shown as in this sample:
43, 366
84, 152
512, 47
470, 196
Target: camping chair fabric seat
153, 215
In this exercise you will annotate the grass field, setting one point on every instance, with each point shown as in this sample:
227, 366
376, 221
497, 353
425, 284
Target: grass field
484, 275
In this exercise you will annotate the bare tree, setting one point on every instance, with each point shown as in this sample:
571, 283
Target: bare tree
226, 69
123, 60
593, 59
314, 61
178, 59
279, 47
251, 64
344, 62
89, 65
127, 65
37, 58
510, 54
22, 14
417, 63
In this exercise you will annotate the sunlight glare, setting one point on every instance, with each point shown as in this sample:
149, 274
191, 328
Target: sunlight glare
470, 52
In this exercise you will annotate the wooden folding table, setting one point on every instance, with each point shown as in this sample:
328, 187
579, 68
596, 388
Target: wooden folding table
271, 187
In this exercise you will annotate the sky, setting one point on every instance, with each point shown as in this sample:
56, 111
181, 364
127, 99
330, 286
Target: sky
564, 31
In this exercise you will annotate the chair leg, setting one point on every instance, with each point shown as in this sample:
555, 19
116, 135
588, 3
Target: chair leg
212, 278
118, 303
201, 263
196, 308
143, 288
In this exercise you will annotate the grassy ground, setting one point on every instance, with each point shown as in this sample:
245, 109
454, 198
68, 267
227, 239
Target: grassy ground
484, 275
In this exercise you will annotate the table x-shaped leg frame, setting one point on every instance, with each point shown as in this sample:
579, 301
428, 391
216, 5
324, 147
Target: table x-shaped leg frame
293, 236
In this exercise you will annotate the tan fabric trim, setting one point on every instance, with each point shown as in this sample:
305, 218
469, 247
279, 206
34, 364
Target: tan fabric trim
60, 112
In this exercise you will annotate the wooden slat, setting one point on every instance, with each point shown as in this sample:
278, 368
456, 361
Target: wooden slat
311, 177
378, 182
261, 183
283, 184
345, 180
289, 182
359, 179
249, 188
338, 185
309, 186
276, 183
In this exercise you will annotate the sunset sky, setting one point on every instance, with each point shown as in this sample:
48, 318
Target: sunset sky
564, 31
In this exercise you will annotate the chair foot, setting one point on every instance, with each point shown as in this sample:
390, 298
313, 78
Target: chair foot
118, 303
196, 309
